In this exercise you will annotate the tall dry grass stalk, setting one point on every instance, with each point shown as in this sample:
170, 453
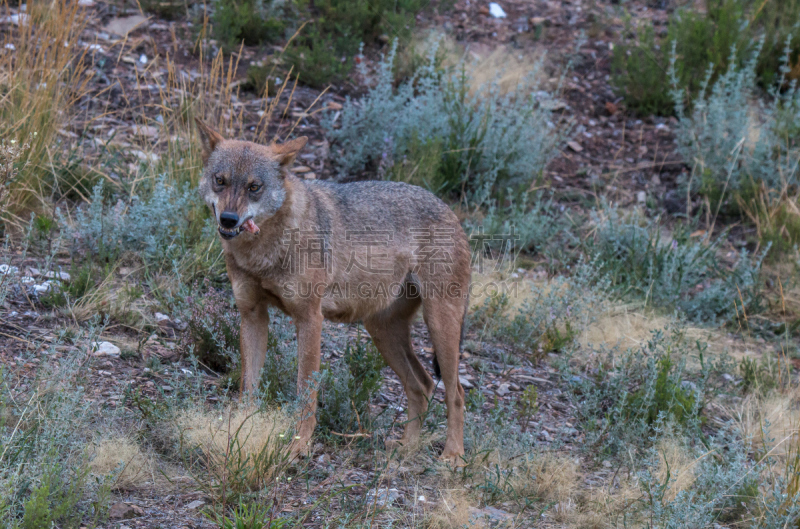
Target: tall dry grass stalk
44, 72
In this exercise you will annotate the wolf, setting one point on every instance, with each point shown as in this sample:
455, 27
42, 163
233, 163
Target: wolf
370, 252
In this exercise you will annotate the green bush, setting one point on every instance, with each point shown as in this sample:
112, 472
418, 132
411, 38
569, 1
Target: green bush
347, 388
550, 317
325, 49
213, 328
250, 21
683, 273
82, 281
489, 142
634, 394
703, 42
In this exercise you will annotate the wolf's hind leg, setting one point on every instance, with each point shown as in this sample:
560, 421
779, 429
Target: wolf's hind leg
444, 317
391, 332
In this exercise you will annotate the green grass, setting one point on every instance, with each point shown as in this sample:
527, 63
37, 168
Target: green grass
704, 41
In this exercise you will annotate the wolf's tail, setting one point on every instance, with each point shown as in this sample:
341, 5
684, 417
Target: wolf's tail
436, 369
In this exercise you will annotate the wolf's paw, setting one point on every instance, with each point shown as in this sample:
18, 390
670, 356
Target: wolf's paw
454, 458
299, 449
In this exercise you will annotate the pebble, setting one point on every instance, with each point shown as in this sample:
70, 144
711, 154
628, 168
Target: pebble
106, 349
196, 504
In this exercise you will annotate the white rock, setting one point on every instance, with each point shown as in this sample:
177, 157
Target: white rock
143, 58
10, 46
161, 317
496, 11
641, 197
6, 269
385, 497
86, 3
503, 390
106, 349
196, 504
43, 288
465, 383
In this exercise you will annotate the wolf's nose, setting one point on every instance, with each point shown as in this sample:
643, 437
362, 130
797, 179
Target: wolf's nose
228, 220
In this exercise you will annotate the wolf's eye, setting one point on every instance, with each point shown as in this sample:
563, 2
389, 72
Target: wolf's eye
254, 187
219, 180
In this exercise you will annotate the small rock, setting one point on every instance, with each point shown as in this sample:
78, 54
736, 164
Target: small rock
641, 197
465, 383
161, 319
124, 25
575, 146
492, 513
496, 11
86, 3
106, 349
196, 504
310, 176
503, 389
147, 131
385, 497
728, 377
8, 270
125, 511
300, 169
332, 105
607, 463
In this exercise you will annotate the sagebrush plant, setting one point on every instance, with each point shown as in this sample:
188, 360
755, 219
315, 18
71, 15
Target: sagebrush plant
489, 141
533, 224
631, 395
682, 273
156, 228
549, 316
732, 139
43, 463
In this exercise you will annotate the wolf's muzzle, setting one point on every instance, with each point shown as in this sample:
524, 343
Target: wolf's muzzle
228, 225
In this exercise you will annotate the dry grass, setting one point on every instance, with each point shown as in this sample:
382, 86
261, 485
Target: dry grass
453, 511
623, 326
676, 463
43, 74
772, 417
485, 65
233, 439
550, 478
120, 452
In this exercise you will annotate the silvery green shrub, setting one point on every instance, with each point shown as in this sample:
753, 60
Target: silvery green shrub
732, 137
154, 227
681, 273
490, 140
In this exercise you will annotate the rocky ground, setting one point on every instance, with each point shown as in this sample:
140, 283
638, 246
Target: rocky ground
628, 159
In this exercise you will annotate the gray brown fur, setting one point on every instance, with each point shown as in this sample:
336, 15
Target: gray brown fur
325, 213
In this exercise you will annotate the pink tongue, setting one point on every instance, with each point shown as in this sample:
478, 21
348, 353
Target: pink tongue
250, 226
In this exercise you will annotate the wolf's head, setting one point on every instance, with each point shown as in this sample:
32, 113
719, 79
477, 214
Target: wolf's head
243, 182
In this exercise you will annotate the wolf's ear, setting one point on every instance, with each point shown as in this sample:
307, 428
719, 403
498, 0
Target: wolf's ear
209, 137
287, 151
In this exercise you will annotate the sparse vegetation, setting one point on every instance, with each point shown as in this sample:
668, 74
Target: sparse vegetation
631, 353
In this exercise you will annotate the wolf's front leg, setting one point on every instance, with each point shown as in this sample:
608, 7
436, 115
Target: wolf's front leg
254, 336
309, 334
